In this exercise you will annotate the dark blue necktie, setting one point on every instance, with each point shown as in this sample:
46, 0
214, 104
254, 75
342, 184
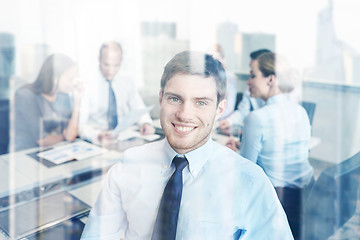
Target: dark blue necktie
167, 218
112, 114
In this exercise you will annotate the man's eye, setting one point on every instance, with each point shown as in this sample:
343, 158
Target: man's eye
201, 103
252, 75
174, 99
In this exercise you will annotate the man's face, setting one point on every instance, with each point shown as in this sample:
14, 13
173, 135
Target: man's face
188, 111
110, 62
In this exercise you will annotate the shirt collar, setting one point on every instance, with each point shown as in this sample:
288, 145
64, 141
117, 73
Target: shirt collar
196, 158
276, 98
168, 155
101, 76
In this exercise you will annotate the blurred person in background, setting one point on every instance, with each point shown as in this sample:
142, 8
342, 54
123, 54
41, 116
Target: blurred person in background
276, 136
47, 110
245, 106
108, 98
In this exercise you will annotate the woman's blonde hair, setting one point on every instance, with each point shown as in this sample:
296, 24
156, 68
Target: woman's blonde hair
273, 64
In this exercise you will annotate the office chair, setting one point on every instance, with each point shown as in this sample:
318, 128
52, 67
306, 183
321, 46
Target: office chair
332, 200
310, 109
239, 96
4, 125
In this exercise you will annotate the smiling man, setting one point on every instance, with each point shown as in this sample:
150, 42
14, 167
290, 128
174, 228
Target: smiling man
187, 115
187, 186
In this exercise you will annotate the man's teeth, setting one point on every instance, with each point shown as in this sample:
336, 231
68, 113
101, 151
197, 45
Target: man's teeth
184, 129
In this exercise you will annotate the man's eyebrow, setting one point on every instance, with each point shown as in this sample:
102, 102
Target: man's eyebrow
172, 94
204, 98
196, 98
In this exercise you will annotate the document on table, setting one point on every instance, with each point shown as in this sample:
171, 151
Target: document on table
77, 150
133, 132
130, 119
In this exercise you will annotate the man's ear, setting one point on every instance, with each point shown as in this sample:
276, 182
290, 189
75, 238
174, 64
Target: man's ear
160, 96
220, 109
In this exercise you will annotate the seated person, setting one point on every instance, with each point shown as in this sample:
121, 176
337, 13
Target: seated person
187, 186
109, 97
277, 136
44, 112
245, 106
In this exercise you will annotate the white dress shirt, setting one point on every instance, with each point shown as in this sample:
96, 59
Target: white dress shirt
93, 114
224, 197
248, 104
245, 106
276, 137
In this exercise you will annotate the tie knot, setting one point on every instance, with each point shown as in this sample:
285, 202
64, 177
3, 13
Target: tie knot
180, 163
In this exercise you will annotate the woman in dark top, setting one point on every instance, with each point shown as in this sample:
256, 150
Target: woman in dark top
45, 113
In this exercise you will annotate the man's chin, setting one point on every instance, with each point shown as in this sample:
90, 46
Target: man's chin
179, 145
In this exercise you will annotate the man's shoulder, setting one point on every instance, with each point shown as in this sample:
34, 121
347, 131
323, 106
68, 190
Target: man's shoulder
144, 152
94, 83
136, 158
124, 80
230, 167
229, 158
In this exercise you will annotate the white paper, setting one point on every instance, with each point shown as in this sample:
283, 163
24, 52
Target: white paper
77, 150
133, 132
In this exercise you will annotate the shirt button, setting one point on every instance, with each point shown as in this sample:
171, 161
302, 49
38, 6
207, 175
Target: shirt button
165, 166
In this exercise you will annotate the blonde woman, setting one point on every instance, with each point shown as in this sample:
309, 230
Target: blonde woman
276, 136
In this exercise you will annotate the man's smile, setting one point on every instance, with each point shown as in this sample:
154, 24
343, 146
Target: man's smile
183, 128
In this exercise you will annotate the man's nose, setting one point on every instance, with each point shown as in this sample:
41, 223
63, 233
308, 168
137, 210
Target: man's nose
185, 112
112, 70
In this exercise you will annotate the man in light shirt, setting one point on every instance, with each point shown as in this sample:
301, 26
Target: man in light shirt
224, 196
95, 123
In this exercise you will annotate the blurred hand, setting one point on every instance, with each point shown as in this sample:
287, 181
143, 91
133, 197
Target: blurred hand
146, 129
50, 140
225, 126
107, 137
78, 92
233, 144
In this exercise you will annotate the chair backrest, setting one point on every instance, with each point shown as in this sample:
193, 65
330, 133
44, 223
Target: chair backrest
239, 96
4, 125
333, 198
310, 109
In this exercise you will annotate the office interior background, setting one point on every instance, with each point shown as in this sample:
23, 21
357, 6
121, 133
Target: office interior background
319, 38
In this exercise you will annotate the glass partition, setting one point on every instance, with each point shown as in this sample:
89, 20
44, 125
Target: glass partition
318, 38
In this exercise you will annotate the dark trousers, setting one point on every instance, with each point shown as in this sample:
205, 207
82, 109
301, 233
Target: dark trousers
292, 201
